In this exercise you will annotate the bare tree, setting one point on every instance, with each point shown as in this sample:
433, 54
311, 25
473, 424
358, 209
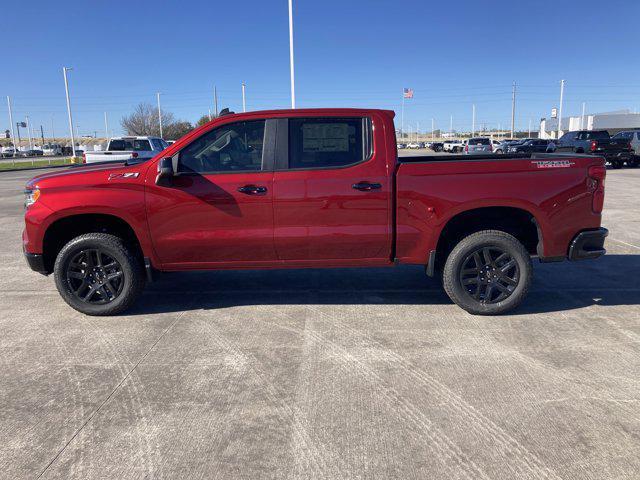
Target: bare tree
144, 121
176, 130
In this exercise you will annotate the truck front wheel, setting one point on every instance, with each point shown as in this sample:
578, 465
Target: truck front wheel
488, 273
98, 274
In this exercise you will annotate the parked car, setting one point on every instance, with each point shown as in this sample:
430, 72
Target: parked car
8, 152
495, 143
29, 152
52, 149
413, 145
633, 137
328, 193
478, 145
532, 146
504, 144
452, 146
127, 148
436, 146
596, 142
401, 146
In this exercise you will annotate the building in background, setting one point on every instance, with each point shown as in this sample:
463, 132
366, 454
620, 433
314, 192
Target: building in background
612, 121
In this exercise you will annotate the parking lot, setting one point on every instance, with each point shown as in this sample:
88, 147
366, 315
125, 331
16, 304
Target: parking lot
364, 373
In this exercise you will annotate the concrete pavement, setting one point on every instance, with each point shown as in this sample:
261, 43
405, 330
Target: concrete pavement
363, 374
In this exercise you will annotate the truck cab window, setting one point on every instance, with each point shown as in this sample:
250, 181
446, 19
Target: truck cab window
328, 142
236, 147
141, 145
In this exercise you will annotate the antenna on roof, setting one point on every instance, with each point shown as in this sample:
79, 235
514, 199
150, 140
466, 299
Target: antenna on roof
225, 111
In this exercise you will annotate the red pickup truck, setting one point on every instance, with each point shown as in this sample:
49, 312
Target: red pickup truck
306, 189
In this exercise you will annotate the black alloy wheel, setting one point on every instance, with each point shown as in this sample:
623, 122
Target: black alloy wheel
94, 276
99, 273
489, 275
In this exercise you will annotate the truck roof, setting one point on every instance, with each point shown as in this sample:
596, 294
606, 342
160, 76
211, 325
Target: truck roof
132, 137
315, 111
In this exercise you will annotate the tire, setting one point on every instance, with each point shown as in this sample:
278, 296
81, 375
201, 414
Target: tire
515, 266
101, 267
616, 164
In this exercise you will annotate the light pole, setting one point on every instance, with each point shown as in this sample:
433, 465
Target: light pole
215, 101
106, 126
582, 118
560, 108
13, 137
159, 114
473, 120
66, 89
29, 132
293, 84
244, 103
513, 108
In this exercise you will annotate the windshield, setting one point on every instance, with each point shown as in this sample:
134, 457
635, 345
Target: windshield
624, 135
595, 135
479, 141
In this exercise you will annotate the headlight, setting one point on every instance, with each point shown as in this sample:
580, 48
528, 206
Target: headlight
31, 197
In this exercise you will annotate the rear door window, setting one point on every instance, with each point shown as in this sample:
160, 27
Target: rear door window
328, 142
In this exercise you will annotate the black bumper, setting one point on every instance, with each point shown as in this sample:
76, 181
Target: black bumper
588, 244
36, 262
619, 156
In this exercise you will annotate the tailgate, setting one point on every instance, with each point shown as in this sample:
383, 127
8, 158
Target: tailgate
613, 145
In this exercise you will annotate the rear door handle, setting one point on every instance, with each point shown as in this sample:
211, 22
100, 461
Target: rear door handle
252, 190
366, 186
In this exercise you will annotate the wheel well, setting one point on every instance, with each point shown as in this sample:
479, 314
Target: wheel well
65, 229
515, 221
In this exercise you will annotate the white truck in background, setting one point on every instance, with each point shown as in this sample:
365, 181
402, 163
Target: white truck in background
127, 148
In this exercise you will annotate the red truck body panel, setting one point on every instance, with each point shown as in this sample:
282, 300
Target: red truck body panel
430, 194
314, 218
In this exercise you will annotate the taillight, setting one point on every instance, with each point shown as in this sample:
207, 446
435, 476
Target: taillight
466, 148
597, 174
134, 155
629, 146
490, 148
84, 158
594, 145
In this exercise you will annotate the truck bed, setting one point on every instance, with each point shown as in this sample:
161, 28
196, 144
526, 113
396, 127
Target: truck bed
431, 189
486, 157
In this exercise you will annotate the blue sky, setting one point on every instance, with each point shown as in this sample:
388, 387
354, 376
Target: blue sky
358, 53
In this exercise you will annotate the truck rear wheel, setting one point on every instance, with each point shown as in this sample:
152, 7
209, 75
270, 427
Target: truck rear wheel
98, 274
488, 273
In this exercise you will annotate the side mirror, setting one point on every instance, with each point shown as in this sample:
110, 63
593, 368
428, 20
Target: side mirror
165, 170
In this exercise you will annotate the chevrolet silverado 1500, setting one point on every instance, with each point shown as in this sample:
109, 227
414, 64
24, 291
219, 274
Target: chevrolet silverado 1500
305, 189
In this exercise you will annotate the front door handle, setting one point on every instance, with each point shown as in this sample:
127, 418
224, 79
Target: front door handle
366, 186
253, 190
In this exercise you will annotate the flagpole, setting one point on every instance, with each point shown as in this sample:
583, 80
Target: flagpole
402, 122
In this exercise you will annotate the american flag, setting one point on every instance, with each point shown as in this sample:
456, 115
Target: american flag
407, 92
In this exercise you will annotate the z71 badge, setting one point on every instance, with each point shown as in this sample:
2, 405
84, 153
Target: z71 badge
123, 175
553, 163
